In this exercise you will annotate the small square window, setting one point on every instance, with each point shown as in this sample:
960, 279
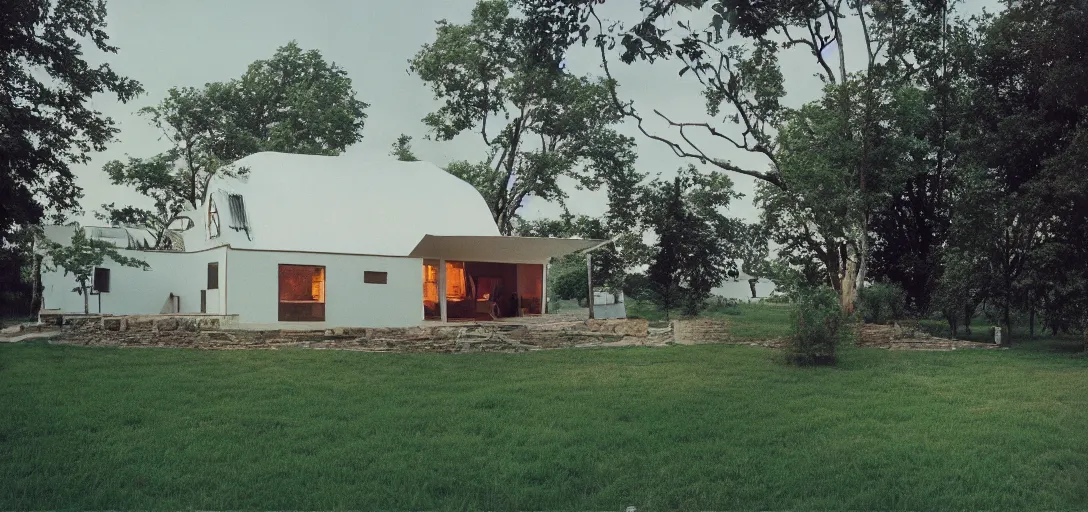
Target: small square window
375, 277
101, 282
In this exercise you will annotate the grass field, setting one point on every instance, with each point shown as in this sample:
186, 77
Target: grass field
693, 427
746, 321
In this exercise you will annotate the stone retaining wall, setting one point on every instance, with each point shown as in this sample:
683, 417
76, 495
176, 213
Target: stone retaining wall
209, 333
214, 332
701, 330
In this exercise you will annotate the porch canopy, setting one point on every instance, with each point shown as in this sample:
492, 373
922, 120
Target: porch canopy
499, 249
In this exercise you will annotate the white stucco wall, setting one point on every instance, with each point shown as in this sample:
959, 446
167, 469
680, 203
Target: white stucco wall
253, 288
136, 291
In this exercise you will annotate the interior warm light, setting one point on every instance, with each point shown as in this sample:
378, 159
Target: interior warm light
430, 283
455, 280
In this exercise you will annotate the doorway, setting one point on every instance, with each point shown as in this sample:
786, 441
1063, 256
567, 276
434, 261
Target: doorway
482, 290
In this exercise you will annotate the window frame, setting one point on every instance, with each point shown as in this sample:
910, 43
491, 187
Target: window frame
213, 220
292, 311
211, 282
95, 281
375, 277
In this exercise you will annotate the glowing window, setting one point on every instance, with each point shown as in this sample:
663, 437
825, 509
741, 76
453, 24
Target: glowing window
455, 280
301, 293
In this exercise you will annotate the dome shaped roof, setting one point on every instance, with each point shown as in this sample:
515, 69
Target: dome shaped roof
339, 204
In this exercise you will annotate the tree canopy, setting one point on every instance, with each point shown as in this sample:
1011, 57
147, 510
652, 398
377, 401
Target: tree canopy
293, 102
46, 122
537, 123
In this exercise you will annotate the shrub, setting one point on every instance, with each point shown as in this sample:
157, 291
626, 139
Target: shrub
569, 284
819, 324
637, 286
882, 303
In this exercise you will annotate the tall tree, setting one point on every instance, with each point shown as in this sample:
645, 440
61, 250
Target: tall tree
80, 257
911, 230
695, 248
1023, 217
46, 124
538, 123
734, 56
294, 102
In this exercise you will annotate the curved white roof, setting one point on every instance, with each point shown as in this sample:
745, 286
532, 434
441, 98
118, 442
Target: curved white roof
341, 204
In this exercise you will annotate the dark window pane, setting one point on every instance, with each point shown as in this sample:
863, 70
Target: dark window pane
101, 280
375, 277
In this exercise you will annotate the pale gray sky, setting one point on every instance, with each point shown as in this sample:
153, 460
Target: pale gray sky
165, 44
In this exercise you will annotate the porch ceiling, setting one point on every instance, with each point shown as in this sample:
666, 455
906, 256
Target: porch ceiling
499, 249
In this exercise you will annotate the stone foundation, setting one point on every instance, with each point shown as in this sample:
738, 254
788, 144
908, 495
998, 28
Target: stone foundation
218, 333
209, 333
907, 336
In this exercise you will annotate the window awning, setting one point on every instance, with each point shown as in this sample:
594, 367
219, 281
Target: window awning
499, 249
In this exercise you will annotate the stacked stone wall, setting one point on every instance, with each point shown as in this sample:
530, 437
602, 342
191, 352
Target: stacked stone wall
210, 333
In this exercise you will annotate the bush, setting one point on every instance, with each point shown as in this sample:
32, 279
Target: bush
819, 324
569, 284
637, 286
882, 303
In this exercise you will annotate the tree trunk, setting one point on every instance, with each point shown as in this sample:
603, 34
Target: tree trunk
1005, 322
863, 257
968, 314
1031, 317
86, 300
849, 286
35, 294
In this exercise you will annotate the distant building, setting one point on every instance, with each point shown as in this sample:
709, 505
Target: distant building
741, 289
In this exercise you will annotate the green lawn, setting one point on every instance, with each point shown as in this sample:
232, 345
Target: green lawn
692, 427
746, 321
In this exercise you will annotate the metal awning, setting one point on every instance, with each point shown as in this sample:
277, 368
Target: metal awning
499, 249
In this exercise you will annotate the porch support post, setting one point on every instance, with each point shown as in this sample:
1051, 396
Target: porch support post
544, 306
589, 277
442, 289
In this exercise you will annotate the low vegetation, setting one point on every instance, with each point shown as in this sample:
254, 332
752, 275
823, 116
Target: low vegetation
747, 322
818, 327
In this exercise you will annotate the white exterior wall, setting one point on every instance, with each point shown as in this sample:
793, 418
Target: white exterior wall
253, 288
136, 291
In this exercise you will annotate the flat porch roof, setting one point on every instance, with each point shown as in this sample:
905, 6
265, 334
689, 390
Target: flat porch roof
499, 249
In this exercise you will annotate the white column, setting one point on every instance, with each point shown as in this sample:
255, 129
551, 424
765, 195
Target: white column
544, 289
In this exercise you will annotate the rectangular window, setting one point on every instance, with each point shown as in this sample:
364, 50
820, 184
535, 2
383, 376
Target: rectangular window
375, 277
301, 293
455, 281
213, 276
431, 308
101, 282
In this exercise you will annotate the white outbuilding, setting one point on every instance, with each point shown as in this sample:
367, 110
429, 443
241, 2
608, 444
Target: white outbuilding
326, 241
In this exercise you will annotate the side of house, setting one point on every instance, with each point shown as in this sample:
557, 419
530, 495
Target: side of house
329, 241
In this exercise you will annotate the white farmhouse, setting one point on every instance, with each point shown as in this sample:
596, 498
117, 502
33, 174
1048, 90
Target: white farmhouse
333, 241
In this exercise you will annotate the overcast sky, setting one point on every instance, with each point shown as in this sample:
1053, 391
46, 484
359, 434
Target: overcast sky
167, 43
